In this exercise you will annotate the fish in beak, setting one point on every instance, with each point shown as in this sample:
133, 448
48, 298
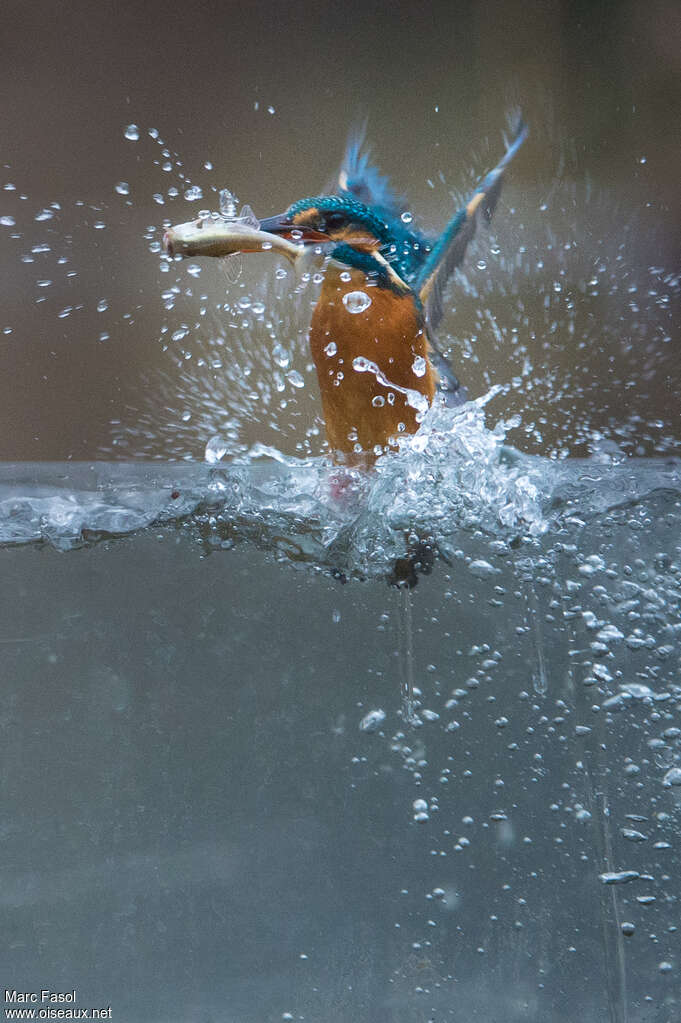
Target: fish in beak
221, 236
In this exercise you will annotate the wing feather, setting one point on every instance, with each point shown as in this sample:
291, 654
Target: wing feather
449, 250
359, 177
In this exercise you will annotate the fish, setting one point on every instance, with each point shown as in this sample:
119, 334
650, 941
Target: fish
218, 236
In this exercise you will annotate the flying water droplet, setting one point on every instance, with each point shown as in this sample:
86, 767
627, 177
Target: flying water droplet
228, 203
281, 356
123, 188
331, 348
216, 449
356, 301
419, 366
132, 133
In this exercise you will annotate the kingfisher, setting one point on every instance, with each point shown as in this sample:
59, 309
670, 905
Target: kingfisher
372, 333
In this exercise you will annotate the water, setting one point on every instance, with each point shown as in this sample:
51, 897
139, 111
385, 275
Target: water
283, 741
237, 806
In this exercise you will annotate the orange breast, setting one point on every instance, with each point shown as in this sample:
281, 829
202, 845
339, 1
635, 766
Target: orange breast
369, 348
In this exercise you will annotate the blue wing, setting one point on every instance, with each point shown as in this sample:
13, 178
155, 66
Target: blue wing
360, 178
450, 248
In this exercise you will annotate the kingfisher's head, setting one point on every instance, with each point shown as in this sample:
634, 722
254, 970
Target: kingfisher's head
331, 218
364, 237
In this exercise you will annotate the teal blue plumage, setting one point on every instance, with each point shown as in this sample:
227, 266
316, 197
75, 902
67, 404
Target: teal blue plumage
364, 197
361, 223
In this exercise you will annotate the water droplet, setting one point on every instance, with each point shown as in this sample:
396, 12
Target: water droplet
378, 401
102, 305
481, 264
356, 301
216, 449
295, 379
132, 133
123, 188
331, 348
281, 356
7, 221
193, 193
407, 217
627, 929
270, 110
419, 366
228, 203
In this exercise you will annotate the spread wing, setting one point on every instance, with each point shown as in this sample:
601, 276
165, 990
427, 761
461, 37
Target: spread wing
449, 250
360, 178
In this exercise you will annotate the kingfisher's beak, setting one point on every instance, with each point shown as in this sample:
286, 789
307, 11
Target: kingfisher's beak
285, 227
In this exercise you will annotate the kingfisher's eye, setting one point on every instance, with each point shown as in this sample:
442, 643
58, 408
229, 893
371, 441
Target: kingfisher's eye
332, 222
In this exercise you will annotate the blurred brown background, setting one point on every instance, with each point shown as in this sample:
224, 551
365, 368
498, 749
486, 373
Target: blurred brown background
599, 83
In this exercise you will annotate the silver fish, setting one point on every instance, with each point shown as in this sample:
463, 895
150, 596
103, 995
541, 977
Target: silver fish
222, 236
